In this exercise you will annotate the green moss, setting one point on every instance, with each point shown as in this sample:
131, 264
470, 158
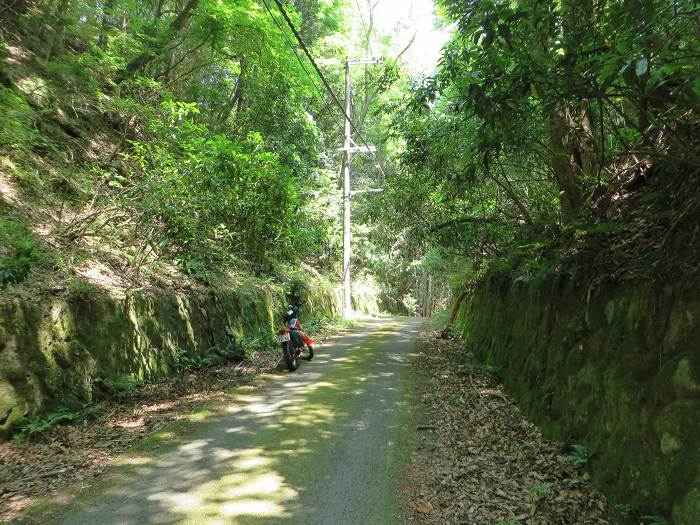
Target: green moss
684, 381
616, 370
687, 511
69, 342
39, 508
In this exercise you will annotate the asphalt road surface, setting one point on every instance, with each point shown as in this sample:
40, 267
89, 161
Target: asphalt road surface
323, 445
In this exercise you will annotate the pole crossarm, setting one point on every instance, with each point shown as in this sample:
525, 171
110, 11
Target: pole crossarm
365, 61
371, 190
358, 149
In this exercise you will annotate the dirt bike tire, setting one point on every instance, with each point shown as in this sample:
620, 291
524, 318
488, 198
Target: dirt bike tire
310, 355
290, 357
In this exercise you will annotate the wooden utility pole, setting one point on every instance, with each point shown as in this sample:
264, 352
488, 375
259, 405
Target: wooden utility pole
347, 290
348, 148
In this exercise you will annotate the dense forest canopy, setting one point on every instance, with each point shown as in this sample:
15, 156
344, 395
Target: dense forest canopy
171, 179
219, 149
216, 148
542, 119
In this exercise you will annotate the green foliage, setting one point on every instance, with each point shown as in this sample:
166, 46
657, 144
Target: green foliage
313, 327
655, 520
71, 71
214, 196
251, 345
623, 510
578, 456
439, 319
537, 117
17, 123
542, 491
234, 350
78, 286
21, 252
193, 362
206, 126
118, 384
36, 426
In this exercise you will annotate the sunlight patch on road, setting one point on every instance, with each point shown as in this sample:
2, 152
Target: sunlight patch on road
253, 488
251, 508
179, 501
264, 484
252, 462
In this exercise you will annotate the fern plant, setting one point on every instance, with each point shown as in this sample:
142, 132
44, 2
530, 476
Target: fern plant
579, 455
38, 425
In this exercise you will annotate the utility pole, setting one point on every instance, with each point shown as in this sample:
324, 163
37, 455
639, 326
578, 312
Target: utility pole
347, 290
348, 148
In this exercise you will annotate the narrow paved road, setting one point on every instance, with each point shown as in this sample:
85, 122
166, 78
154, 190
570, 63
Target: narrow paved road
323, 445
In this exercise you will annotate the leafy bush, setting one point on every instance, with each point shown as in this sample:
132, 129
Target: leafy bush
623, 510
439, 319
209, 195
542, 491
122, 383
17, 131
23, 252
254, 344
192, 362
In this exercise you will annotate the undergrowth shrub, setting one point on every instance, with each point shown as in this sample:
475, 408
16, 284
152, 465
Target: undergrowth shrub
38, 425
439, 319
17, 131
233, 351
118, 384
21, 252
579, 455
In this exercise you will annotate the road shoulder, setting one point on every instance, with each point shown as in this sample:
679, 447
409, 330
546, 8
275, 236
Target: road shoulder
477, 460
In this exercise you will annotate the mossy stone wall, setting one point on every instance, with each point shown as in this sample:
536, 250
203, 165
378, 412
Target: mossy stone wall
53, 349
616, 368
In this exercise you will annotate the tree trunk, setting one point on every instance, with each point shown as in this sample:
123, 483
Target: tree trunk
236, 98
453, 314
561, 144
59, 29
184, 16
572, 151
158, 10
153, 52
106, 12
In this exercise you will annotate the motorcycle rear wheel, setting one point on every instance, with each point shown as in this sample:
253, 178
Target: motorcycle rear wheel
290, 357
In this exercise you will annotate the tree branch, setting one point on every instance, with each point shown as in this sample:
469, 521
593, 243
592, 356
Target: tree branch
465, 219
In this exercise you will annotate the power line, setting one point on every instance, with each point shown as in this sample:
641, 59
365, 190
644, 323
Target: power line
296, 54
285, 15
312, 78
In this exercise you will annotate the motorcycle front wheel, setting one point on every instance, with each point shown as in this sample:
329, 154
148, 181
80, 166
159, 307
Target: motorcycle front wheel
290, 357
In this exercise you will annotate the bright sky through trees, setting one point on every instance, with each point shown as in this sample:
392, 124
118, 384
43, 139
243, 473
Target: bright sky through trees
401, 19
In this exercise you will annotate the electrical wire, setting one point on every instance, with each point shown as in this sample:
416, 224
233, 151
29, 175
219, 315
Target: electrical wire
294, 50
291, 26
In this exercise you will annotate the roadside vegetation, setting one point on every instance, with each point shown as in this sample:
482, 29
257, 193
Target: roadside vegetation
191, 146
556, 138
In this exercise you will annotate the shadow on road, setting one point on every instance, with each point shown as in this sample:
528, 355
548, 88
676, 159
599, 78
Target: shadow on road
315, 446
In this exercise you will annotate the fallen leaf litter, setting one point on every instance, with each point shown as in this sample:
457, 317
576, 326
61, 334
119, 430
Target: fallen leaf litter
479, 461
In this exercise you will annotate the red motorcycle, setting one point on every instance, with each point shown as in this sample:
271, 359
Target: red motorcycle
295, 345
